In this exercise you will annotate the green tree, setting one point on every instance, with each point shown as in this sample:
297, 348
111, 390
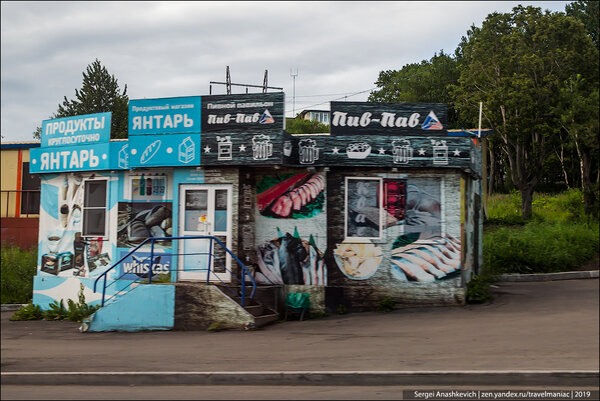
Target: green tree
302, 126
99, 93
424, 82
587, 12
516, 64
579, 118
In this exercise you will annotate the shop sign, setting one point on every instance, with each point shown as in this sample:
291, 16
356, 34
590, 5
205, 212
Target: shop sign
243, 112
78, 130
72, 158
397, 119
164, 116
137, 265
164, 150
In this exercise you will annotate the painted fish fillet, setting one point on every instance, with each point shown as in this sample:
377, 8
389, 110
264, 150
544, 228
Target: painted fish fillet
421, 262
413, 271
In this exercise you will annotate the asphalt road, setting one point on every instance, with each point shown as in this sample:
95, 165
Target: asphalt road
529, 326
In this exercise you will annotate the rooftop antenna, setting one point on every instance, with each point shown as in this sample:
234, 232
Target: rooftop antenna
265, 81
294, 92
228, 81
229, 84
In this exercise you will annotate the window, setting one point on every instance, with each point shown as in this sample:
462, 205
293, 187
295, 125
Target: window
94, 208
148, 186
363, 208
30, 197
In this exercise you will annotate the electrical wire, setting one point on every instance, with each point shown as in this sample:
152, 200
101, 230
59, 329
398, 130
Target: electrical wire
340, 98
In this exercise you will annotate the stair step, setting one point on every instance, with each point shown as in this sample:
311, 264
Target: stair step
255, 310
260, 321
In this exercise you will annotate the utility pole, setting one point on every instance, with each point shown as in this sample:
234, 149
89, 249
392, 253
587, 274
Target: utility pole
294, 92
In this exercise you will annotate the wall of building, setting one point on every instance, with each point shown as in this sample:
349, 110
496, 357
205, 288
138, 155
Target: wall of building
418, 257
290, 226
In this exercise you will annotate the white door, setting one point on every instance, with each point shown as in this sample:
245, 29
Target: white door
204, 209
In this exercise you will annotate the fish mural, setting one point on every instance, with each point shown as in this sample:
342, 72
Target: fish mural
289, 259
437, 258
291, 196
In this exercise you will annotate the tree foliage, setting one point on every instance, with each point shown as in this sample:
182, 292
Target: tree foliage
424, 82
301, 126
587, 13
99, 93
516, 64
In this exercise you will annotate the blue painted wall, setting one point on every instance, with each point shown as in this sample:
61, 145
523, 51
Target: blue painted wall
147, 307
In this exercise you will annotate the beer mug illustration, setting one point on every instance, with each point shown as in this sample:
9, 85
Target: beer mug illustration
402, 151
262, 147
309, 153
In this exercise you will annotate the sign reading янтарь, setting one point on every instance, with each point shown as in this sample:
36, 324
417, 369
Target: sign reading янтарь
392, 119
175, 115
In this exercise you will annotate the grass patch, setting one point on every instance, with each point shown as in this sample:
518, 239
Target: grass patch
557, 238
18, 266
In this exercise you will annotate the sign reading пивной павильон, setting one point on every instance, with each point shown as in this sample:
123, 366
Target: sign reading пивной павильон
397, 119
78, 130
249, 112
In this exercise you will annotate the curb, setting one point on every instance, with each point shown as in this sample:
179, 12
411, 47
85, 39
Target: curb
328, 378
11, 307
549, 276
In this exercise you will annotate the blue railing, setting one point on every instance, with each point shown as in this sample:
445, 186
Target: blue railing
152, 240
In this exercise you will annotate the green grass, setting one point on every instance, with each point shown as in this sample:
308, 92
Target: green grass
18, 267
557, 238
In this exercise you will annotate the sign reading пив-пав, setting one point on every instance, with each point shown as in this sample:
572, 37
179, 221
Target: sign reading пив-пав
164, 116
77, 130
398, 119
243, 113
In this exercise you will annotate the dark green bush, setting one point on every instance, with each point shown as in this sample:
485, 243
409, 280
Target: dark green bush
18, 266
386, 305
478, 290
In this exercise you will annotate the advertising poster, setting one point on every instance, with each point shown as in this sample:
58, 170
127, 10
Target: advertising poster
243, 112
368, 118
64, 252
138, 221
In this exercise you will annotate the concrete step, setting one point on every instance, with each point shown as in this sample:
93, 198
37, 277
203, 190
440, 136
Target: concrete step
264, 320
255, 310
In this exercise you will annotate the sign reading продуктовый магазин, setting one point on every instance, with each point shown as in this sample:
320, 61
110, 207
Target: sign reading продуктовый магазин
397, 119
243, 113
176, 115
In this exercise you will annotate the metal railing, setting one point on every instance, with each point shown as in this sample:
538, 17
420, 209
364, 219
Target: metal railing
211, 258
22, 202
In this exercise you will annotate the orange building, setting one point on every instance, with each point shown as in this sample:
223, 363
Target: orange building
20, 196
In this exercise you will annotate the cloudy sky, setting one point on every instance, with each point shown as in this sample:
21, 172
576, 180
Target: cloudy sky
175, 49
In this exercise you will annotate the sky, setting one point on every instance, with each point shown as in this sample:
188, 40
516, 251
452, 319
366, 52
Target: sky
335, 50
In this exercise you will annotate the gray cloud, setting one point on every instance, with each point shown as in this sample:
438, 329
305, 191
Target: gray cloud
175, 48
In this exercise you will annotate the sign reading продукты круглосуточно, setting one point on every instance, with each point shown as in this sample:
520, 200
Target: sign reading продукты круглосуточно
393, 119
73, 144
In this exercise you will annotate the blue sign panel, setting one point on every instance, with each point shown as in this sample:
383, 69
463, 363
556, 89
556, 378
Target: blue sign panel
164, 150
165, 116
77, 130
137, 266
119, 155
69, 158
